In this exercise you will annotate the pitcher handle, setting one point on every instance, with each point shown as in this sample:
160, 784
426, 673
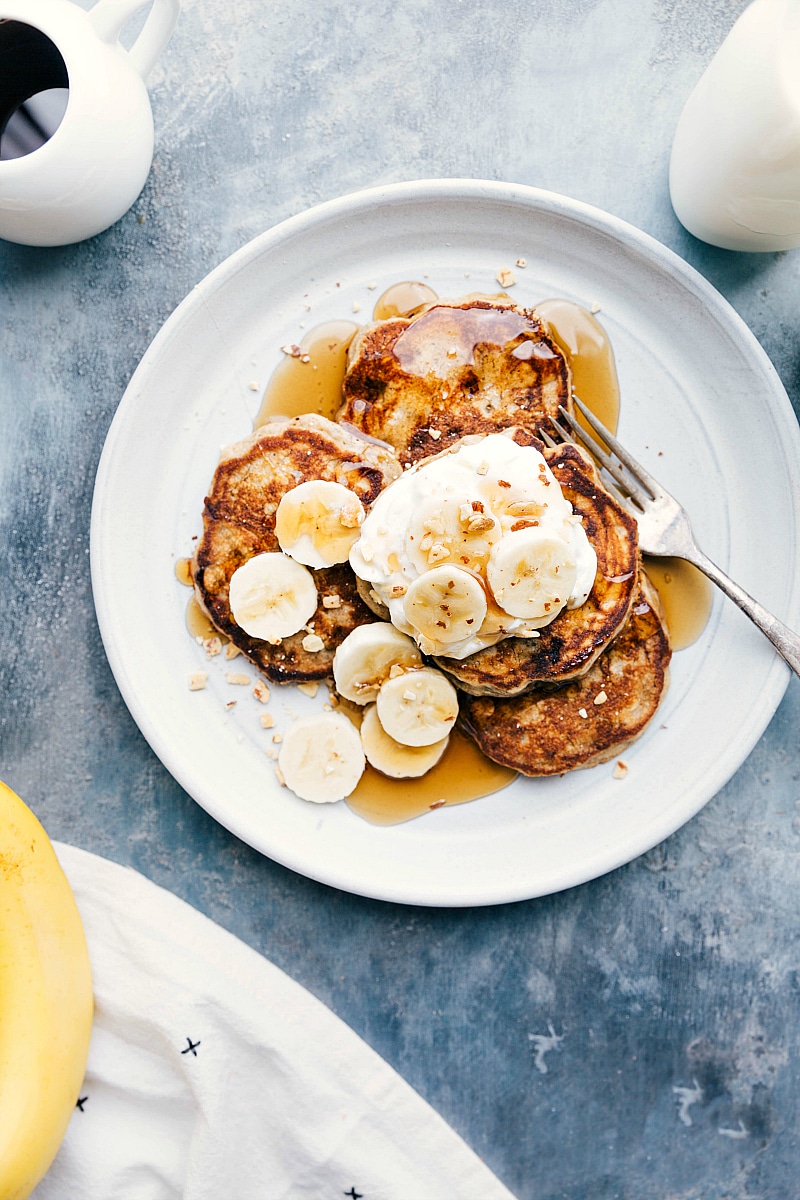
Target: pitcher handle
109, 16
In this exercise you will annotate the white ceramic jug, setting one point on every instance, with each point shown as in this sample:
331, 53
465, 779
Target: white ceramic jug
88, 171
735, 166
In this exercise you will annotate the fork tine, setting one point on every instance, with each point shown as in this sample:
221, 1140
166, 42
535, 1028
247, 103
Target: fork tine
546, 438
587, 439
636, 469
627, 483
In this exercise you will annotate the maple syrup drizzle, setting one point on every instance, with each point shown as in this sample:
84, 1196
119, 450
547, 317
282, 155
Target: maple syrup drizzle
310, 380
686, 596
443, 339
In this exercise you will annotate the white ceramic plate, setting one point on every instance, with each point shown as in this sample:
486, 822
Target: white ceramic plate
701, 405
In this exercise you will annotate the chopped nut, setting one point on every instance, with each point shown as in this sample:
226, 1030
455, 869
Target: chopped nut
600, 698
274, 641
197, 681
313, 643
277, 738
212, 647
280, 776
351, 514
479, 524
356, 306
620, 770
292, 350
261, 691
395, 670
238, 679
483, 469
524, 525
331, 601
399, 589
253, 385
309, 689
506, 277
437, 553
583, 713
267, 720
435, 434
231, 704
232, 651
409, 695
366, 550
465, 512
523, 508
521, 262
595, 307
433, 525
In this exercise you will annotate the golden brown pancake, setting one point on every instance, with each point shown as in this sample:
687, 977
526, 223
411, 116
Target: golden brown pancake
239, 522
553, 731
568, 646
471, 366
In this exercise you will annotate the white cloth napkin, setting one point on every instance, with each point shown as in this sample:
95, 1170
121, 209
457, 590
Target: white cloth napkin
213, 1075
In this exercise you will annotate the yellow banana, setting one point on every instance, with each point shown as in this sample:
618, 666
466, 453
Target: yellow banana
45, 1000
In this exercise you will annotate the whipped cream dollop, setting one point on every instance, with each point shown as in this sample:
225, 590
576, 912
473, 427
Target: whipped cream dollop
473, 546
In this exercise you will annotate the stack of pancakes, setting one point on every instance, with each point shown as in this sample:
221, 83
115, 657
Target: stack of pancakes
588, 685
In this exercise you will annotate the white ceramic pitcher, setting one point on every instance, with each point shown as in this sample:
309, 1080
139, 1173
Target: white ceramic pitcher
89, 171
735, 166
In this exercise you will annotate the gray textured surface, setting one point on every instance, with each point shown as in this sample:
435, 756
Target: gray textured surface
679, 971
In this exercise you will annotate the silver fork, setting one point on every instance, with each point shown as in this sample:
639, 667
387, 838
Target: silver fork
664, 528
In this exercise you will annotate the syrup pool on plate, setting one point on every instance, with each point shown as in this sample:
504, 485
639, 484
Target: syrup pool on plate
309, 378
594, 372
686, 596
198, 624
403, 299
462, 774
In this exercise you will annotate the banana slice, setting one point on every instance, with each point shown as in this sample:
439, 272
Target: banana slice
532, 573
318, 521
393, 758
366, 656
418, 708
445, 605
272, 596
322, 758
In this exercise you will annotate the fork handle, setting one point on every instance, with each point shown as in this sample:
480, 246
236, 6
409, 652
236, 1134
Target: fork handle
784, 639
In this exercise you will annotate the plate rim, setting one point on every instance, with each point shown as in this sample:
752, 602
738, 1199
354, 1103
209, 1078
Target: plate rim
423, 190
